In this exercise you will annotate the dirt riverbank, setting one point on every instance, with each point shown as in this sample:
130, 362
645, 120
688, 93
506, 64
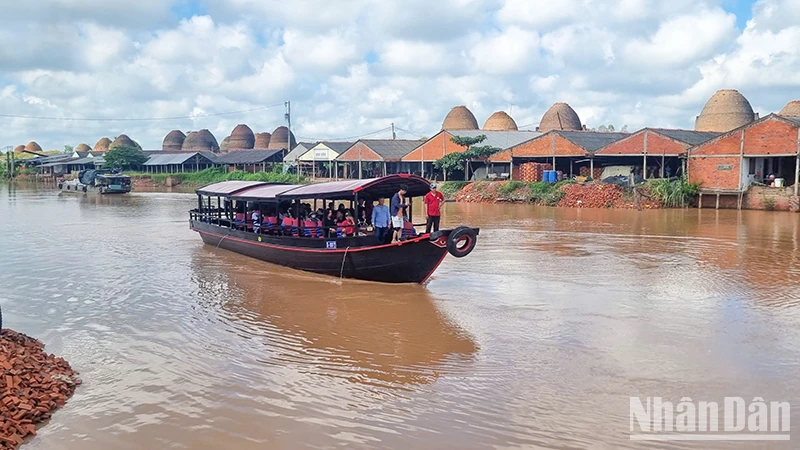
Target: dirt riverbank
563, 194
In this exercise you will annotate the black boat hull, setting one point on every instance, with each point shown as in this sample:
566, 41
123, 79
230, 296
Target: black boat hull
410, 261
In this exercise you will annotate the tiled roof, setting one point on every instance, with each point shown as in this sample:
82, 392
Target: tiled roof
689, 136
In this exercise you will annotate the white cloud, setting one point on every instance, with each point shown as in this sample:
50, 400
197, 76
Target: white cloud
683, 39
414, 57
354, 66
511, 51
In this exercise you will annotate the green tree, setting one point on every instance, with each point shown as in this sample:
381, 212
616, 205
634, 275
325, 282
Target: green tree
610, 128
68, 149
124, 157
463, 160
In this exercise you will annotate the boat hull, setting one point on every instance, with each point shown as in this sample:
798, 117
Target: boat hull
410, 261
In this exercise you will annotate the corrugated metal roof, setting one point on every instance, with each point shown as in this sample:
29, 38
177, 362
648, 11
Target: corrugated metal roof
689, 136
298, 151
269, 191
499, 139
392, 149
177, 158
338, 147
60, 162
248, 156
228, 187
792, 119
374, 187
590, 140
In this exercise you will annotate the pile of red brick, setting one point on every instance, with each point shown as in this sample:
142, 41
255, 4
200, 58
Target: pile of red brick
601, 195
32, 385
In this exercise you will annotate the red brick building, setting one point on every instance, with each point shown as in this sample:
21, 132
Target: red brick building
658, 149
567, 151
731, 162
421, 158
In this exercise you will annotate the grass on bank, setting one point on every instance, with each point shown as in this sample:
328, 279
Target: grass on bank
217, 174
673, 193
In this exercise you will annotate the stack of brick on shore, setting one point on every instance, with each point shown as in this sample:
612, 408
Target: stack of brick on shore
33, 384
531, 172
585, 172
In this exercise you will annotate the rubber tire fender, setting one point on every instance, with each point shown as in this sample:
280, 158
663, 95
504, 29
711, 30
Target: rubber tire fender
457, 236
84, 189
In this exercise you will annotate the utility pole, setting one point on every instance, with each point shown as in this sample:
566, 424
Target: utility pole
394, 136
288, 116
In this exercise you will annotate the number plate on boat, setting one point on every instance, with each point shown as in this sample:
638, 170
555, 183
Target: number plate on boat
330, 244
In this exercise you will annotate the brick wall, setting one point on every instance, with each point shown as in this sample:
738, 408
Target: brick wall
715, 172
630, 146
434, 148
584, 172
359, 149
728, 145
531, 171
660, 145
757, 197
771, 137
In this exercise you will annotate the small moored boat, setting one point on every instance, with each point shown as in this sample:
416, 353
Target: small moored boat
223, 219
90, 181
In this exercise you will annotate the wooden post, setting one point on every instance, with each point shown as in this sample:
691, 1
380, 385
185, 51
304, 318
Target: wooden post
662, 165
700, 201
797, 164
741, 161
644, 152
359, 168
591, 166
717, 205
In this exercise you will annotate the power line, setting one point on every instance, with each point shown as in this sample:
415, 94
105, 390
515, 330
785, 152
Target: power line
346, 137
138, 119
413, 133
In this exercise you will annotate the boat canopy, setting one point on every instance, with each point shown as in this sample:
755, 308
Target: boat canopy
372, 187
267, 192
333, 190
225, 188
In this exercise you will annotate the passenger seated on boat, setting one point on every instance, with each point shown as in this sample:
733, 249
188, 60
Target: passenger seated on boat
239, 221
348, 225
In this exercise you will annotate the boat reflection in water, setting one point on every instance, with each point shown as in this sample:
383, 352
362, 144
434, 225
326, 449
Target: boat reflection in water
376, 334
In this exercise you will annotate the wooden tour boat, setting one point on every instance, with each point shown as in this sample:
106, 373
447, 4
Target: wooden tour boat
223, 219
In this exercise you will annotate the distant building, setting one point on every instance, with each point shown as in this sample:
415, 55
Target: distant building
369, 158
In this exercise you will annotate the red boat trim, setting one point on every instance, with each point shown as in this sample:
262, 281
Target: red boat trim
434, 269
361, 188
311, 250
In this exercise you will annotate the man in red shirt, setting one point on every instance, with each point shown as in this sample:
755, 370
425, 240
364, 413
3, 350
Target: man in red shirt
433, 201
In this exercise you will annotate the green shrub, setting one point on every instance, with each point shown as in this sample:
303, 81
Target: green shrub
450, 188
674, 194
769, 203
509, 187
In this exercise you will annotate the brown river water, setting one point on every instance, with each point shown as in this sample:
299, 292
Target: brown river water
538, 339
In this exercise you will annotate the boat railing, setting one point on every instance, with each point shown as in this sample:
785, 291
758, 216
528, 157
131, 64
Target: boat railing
274, 226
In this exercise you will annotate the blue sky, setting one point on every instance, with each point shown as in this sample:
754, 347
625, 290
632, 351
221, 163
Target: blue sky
352, 67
